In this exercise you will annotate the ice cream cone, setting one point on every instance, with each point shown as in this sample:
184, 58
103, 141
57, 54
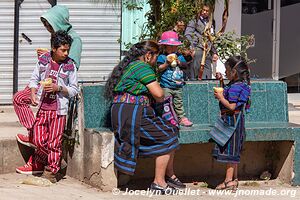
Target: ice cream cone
218, 89
172, 59
47, 81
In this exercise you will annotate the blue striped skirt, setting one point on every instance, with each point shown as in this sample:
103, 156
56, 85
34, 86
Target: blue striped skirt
157, 136
230, 153
140, 133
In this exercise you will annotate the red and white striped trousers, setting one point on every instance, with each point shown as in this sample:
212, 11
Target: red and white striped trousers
21, 102
48, 130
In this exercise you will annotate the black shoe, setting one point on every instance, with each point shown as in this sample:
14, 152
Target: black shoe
175, 182
159, 190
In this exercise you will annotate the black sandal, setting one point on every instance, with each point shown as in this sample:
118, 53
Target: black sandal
237, 184
228, 187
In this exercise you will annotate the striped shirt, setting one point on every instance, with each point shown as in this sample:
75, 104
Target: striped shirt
238, 92
135, 78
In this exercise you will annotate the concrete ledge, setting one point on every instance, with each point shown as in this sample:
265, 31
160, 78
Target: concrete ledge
11, 156
195, 161
92, 161
95, 165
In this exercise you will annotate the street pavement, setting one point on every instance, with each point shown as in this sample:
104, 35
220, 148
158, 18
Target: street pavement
11, 188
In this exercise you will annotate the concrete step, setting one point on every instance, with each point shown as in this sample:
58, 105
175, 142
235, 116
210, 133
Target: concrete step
10, 109
10, 155
9, 119
7, 109
9, 123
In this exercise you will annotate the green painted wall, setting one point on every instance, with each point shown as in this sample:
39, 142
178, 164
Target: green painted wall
133, 22
269, 103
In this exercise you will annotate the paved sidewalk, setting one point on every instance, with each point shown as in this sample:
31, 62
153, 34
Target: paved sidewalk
71, 189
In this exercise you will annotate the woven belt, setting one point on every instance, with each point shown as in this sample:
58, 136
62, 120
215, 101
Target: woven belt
132, 99
226, 112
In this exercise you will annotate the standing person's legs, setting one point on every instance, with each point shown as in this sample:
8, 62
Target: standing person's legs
47, 129
229, 172
171, 178
49, 143
38, 160
160, 139
161, 163
207, 73
41, 134
170, 113
194, 69
54, 143
170, 167
164, 171
235, 175
230, 181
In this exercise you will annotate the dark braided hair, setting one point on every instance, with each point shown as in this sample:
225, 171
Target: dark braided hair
239, 64
136, 51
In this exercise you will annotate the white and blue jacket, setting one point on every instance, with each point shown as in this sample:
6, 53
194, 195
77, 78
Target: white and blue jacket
67, 77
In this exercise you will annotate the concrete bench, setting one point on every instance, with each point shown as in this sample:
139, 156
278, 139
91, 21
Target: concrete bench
272, 143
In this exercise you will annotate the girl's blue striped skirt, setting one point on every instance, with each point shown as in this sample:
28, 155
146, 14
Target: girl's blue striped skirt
230, 153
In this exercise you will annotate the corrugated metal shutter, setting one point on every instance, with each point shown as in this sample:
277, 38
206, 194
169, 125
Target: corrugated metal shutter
6, 50
99, 26
32, 27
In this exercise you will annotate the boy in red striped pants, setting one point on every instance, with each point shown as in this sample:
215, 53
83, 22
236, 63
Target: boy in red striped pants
58, 76
56, 18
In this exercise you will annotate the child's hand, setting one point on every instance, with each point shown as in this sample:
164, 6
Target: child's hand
219, 76
51, 88
34, 100
218, 94
168, 62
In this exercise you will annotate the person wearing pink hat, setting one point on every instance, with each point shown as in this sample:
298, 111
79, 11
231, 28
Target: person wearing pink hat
170, 64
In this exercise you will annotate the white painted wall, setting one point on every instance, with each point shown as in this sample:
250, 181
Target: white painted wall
235, 16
